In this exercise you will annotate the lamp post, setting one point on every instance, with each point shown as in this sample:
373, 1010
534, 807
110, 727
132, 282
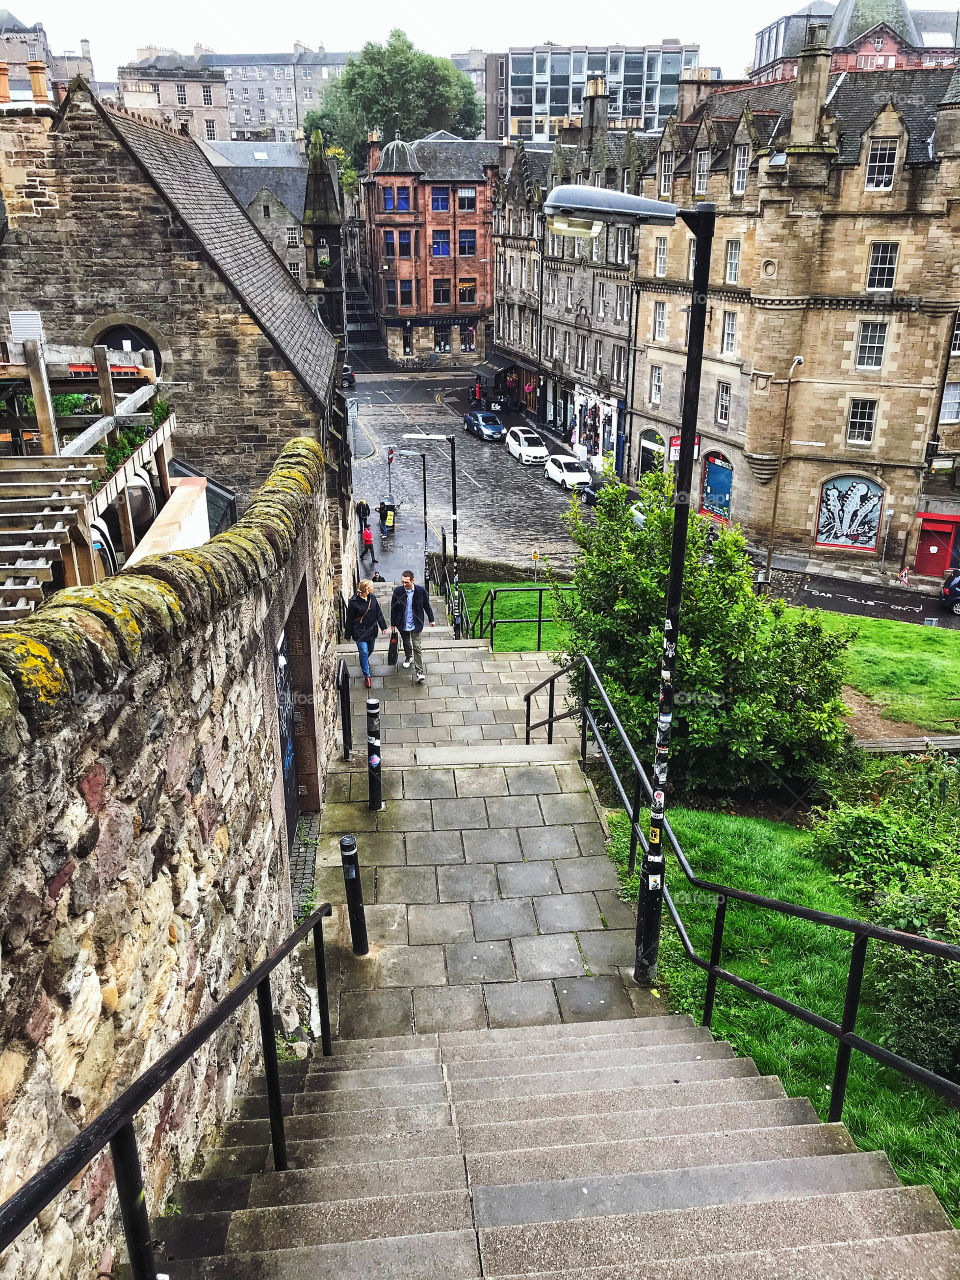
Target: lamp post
451, 441
583, 211
797, 361
415, 453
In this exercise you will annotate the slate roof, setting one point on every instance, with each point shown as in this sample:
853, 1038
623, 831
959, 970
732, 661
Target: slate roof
854, 18
915, 93
455, 159
936, 21
10, 24
398, 157
287, 184
243, 258
266, 155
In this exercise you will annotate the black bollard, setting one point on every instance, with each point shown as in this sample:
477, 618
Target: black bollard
354, 890
375, 783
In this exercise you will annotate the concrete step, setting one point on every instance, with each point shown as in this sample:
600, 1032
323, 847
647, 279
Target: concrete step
296, 1225
459, 754
360, 1150
411, 1075
637, 1032
663, 1190
358, 1181
377, 1121
352, 1047
653, 1123
666, 1048
441, 1255
640, 1239
666, 1063
645, 1154
558, 1031
397, 1095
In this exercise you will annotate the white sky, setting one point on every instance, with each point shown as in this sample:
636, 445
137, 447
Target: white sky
725, 32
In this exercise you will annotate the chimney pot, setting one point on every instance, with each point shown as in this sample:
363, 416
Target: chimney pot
38, 81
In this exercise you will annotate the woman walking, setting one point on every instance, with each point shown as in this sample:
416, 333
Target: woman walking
364, 617
367, 537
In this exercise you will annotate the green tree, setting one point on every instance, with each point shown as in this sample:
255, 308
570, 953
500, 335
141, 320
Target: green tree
395, 86
758, 690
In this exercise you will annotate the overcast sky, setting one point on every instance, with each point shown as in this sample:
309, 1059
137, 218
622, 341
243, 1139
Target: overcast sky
725, 32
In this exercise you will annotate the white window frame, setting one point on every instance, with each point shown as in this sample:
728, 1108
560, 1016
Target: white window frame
581, 351
955, 336
597, 357
881, 164
621, 307
741, 168
570, 293
871, 344
856, 429
691, 258
701, 172
601, 300
732, 268
660, 257
667, 163
950, 405
618, 364
659, 322
878, 249
724, 397
656, 384
728, 342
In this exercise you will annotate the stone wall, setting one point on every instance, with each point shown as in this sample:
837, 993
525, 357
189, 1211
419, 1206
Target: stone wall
143, 849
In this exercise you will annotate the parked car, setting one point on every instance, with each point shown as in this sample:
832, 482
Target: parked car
567, 472
483, 425
348, 378
591, 492
526, 446
950, 594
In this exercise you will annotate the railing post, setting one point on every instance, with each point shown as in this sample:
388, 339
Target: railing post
374, 761
585, 699
539, 619
551, 705
271, 1070
635, 820
346, 719
716, 948
493, 618
527, 703
851, 1006
354, 892
323, 998
133, 1204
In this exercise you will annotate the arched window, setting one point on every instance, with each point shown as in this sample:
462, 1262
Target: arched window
652, 450
849, 515
124, 337
716, 486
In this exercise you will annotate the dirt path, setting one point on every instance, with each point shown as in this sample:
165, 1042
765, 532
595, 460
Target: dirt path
867, 720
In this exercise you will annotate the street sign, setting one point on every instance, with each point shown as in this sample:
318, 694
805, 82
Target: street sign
675, 448
904, 575
536, 554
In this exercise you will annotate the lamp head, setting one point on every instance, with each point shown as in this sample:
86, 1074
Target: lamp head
582, 211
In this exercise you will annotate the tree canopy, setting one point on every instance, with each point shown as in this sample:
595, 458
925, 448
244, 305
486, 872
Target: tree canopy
396, 87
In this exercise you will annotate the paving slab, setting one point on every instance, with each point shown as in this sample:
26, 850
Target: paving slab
378, 849
527, 879
391, 787
607, 950
507, 918
386, 922
548, 843
428, 784
554, 955
376, 1013
455, 815
568, 807
440, 922
433, 848
420, 966
591, 839
405, 815
347, 817
582, 875
328, 885
521, 1004
567, 912
476, 883
591, 999
406, 884
500, 845
513, 811
474, 961
459, 1008
617, 913
533, 780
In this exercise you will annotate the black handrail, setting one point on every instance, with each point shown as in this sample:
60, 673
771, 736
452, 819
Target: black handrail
443, 587
346, 720
483, 625
863, 931
115, 1124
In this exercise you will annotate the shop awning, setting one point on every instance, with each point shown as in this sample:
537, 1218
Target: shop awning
494, 364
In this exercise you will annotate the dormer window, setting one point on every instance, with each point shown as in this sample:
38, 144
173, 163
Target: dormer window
741, 166
881, 164
666, 173
878, 42
701, 173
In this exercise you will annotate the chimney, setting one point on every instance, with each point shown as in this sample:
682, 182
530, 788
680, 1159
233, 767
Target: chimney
4, 82
810, 94
595, 104
38, 81
59, 93
85, 49
694, 87
374, 138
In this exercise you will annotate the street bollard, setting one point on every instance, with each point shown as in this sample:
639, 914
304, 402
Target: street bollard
354, 890
374, 781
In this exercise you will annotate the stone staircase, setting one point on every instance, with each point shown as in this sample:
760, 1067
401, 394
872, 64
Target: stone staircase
631, 1150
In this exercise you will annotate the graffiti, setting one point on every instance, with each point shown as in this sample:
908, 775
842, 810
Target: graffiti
850, 509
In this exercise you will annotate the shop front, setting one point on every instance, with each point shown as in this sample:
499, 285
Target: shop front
597, 425
938, 547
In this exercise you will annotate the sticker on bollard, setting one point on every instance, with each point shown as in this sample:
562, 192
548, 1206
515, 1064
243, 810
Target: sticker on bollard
374, 759
354, 891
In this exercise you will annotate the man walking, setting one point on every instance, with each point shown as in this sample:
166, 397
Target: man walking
408, 607
383, 511
363, 512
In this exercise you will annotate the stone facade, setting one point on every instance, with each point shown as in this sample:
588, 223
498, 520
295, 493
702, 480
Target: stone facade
190, 97
143, 841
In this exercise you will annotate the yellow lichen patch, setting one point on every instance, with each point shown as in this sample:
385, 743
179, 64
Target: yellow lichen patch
117, 616
32, 667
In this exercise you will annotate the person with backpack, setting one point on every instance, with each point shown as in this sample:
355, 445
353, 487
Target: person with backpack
364, 619
409, 605
367, 534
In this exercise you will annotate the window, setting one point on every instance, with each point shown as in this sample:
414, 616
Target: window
245, 94
293, 237
552, 291
627, 181
955, 337
231, 94
403, 199
468, 337
262, 115
581, 350
881, 164
621, 304
389, 245
723, 404
598, 357
281, 135
266, 211
210, 130
387, 199
701, 173
294, 269
441, 293
569, 293
883, 264
622, 249
870, 344
601, 300
550, 342
441, 244
666, 173
467, 199
308, 94
566, 347
659, 321
860, 423
467, 291
390, 293
656, 383
660, 257
440, 199
403, 238
261, 94
691, 258
406, 293
950, 409
289, 94
733, 261
741, 165
618, 364
523, 273
729, 342
467, 243
181, 95
207, 95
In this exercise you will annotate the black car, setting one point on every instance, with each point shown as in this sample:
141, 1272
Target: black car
589, 494
950, 593
348, 378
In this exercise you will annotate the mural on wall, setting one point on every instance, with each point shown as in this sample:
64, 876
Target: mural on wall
717, 486
850, 508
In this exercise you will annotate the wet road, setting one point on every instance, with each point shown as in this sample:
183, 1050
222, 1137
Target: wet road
864, 600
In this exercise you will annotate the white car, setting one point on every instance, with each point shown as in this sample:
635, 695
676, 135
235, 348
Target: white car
526, 446
569, 473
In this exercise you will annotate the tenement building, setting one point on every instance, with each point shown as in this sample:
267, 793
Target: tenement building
178, 91
428, 256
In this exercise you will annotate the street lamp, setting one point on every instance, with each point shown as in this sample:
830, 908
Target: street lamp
415, 453
451, 441
797, 362
583, 211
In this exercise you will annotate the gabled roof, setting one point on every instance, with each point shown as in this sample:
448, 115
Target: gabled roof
191, 186
10, 24
442, 135
915, 93
288, 185
455, 159
854, 18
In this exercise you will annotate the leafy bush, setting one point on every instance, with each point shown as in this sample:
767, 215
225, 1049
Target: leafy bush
758, 690
160, 410
873, 845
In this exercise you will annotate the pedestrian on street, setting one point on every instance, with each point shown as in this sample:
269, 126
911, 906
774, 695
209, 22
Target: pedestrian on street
364, 619
363, 512
383, 511
368, 544
409, 606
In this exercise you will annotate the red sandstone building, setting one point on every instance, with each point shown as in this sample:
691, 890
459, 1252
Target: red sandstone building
428, 214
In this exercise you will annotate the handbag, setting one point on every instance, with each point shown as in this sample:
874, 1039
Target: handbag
393, 650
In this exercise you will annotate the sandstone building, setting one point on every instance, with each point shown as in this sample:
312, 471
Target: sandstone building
177, 91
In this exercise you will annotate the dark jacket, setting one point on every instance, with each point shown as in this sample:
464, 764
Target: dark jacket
363, 510
364, 618
421, 606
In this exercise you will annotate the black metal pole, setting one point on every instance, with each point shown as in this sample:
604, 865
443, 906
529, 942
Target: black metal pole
426, 576
716, 950
133, 1205
271, 1069
346, 723
323, 998
374, 781
354, 891
456, 567
650, 904
851, 1005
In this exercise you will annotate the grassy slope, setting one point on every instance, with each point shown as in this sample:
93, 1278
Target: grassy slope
804, 963
520, 636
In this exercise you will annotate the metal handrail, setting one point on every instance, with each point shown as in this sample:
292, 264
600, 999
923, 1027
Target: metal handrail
346, 718
115, 1124
863, 931
440, 578
482, 625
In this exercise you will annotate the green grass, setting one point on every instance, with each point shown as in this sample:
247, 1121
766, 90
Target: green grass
802, 962
515, 636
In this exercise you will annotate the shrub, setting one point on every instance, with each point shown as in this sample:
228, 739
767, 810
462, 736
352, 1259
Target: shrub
871, 846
